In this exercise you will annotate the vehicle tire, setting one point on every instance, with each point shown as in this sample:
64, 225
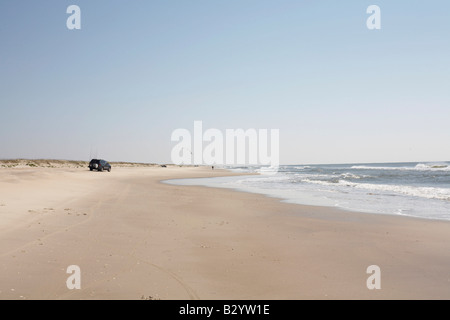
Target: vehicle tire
109, 170
90, 169
100, 169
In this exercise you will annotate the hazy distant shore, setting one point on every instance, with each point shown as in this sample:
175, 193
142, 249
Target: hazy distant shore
134, 237
54, 163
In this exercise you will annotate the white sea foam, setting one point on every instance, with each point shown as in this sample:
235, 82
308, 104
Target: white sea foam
348, 175
268, 170
432, 166
423, 192
321, 182
418, 167
381, 168
314, 175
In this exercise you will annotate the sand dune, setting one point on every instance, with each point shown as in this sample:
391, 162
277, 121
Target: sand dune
49, 163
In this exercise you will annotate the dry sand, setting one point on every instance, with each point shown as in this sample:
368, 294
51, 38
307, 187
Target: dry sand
134, 237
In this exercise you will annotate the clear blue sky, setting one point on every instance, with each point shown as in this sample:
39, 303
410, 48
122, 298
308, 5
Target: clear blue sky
137, 70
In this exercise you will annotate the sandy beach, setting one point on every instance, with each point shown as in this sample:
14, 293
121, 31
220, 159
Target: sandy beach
134, 237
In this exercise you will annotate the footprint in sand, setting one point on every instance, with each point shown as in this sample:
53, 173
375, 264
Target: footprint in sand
149, 298
68, 210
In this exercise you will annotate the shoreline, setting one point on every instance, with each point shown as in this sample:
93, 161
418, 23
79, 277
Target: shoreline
145, 238
287, 200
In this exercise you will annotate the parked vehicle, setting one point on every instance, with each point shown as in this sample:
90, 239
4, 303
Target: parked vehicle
99, 165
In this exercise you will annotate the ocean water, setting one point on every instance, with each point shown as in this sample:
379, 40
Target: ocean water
409, 189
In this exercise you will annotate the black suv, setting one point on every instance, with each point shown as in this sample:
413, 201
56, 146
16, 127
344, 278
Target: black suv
99, 165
